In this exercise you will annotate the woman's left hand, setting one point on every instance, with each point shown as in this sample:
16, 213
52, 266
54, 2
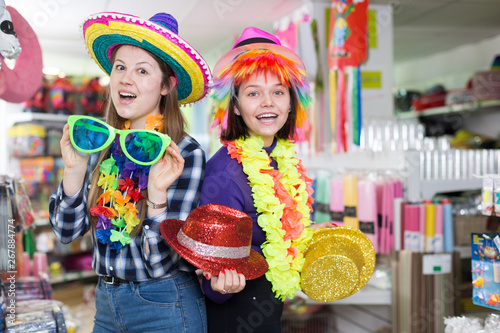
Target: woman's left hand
164, 173
322, 225
229, 281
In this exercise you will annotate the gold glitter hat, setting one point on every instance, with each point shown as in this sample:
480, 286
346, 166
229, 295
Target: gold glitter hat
214, 237
339, 261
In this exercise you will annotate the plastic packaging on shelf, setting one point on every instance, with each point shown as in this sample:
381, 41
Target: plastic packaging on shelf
54, 136
29, 288
26, 140
41, 321
36, 172
472, 324
381, 277
38, 316
3, 306
492, 324
487, 197
463, 325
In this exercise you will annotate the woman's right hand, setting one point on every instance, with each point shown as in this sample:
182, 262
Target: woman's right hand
72, 158
229, 281
75, 164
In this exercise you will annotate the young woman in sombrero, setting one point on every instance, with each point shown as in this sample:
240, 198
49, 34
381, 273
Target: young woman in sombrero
127, 173
261, 97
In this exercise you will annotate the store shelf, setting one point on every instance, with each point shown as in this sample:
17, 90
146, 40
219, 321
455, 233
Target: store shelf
365, 160
33, 116
366, 296
478, 106
426, 189
429, 188
418, 189
72, 276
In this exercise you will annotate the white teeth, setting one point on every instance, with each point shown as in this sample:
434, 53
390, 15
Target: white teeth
122, 94
267, 115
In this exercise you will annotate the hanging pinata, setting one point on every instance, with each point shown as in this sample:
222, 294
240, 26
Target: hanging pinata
92, 96
347, 47
62, 96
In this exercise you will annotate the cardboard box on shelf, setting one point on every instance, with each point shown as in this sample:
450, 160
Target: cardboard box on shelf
464, 226
486, 85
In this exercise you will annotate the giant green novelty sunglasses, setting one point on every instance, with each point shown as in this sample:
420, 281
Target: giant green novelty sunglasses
142, 146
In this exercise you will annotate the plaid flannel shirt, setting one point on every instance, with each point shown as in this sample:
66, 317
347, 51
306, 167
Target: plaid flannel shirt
148, 256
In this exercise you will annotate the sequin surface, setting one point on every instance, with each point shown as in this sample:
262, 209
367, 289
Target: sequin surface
338, 263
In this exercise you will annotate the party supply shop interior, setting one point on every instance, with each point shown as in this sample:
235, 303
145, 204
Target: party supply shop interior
405, 148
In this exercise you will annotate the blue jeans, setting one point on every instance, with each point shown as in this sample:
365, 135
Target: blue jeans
172, 304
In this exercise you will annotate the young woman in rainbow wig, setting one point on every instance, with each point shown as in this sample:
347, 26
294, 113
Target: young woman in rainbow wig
261, 98
142, 168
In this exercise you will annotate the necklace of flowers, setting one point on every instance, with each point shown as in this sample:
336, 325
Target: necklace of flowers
282, 198
122, 182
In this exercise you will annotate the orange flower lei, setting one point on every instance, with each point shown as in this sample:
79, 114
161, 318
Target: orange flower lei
282, 199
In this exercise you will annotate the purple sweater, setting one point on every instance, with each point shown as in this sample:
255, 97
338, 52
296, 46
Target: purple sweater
226, 184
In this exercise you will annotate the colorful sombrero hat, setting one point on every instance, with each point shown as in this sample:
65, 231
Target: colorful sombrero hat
338, 263
214, 237
104, 31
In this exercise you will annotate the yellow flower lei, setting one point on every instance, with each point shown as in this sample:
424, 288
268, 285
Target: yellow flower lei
284, 245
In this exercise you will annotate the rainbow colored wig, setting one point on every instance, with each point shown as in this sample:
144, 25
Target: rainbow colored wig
267, 61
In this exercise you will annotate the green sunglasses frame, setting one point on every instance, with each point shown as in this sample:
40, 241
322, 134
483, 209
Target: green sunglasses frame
123, 134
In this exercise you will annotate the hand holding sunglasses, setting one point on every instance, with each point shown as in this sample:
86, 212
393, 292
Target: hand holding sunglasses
142, 146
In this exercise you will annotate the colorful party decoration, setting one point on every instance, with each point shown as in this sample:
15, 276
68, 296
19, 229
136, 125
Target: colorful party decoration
19, 83
347, 47
62, 96
40, 100
121, 181
10, 46
92, 97
485, 269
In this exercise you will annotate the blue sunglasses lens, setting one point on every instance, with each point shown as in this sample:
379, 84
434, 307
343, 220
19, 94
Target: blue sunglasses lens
143, 146
89, 134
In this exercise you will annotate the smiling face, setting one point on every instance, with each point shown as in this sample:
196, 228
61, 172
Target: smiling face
136, 85
264, 105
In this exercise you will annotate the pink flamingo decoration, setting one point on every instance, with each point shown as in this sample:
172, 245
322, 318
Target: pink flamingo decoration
21, 82
10, 47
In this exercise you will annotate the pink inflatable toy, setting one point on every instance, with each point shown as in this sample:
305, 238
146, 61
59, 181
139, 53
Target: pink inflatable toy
21, 82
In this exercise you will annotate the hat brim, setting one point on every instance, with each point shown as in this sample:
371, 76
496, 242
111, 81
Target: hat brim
353, 237
229, 57
365, 246
251, 267
104, 31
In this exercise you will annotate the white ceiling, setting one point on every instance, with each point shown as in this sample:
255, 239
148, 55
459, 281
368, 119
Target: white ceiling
421, 27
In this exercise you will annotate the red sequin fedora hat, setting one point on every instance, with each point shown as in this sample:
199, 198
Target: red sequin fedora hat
214, 237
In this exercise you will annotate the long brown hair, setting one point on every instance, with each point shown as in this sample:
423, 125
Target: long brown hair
236, 127
174, 125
